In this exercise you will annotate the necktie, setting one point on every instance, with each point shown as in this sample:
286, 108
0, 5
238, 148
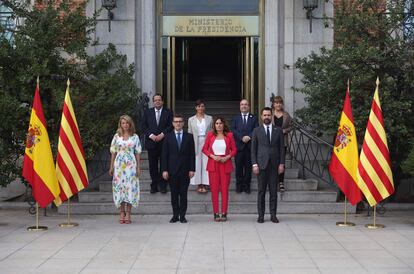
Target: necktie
179, 139
157, 116
268, 133
244, 119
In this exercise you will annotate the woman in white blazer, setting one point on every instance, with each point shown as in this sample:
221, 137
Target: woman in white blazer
199, 125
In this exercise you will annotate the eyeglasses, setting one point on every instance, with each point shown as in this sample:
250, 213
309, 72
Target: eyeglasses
178, 121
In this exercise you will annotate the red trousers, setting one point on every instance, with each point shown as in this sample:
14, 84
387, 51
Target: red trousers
219, 182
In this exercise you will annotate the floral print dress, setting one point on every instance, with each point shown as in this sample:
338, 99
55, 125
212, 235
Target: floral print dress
125, 183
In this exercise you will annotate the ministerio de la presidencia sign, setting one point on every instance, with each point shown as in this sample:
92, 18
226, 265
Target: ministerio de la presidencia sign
210, 26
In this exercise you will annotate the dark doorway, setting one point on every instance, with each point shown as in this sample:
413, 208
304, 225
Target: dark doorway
209, 68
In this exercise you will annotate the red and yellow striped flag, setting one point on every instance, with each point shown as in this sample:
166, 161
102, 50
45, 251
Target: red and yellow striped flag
344, 161
374, 167
38, 165
70, 163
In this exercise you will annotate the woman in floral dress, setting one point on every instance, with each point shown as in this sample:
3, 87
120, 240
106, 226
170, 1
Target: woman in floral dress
125, 168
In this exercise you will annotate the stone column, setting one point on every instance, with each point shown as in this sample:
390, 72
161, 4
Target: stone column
271, 32
146, 48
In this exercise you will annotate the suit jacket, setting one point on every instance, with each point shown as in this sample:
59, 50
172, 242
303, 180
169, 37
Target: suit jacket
262, 150
230, 150
173, 159
286, 125
192, 126
150, 125
240, 129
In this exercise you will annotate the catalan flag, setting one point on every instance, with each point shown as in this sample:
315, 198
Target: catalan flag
374, 167
70, 163
344, 161
38, 165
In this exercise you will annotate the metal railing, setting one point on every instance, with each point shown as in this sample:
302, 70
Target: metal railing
310, 152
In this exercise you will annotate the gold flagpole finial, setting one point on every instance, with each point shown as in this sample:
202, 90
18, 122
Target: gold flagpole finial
37, 81
377, 82
68, 82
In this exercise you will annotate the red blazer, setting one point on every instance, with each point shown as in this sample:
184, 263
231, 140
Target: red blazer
230, 150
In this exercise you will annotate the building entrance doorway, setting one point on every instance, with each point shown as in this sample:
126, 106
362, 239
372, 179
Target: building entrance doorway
209, 68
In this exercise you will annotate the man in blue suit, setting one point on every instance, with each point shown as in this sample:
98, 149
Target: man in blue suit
242, 127
157, 123
178, 166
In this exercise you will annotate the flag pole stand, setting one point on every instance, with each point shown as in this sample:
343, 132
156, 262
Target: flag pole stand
37, 227
345, 223
68, 223
374, 225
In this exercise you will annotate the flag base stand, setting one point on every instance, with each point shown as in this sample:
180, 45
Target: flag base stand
37, 227
68, 224
374, 225
345, 223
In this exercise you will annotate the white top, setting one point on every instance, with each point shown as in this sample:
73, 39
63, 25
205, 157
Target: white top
219, 147
201, 127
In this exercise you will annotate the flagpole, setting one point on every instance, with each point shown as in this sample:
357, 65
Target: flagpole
345, 222
374, 225
68, 223
37, 227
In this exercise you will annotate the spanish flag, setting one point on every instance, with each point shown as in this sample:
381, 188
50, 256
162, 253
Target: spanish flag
344, 161
70, 163
38, 166
374, 167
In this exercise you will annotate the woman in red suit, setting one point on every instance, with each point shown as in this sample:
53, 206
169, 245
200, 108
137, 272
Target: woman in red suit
219, 147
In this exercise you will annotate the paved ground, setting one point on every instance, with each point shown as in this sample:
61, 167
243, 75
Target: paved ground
299, 244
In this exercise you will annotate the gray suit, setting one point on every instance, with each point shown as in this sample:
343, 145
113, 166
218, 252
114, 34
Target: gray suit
268, 157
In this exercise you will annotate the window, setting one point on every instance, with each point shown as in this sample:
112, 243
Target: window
409, 21
210, 7
7, 22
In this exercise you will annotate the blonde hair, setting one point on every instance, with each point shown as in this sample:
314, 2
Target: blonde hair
129, 120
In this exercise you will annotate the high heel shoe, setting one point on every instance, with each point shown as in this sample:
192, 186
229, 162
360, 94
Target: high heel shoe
127, 217
122, 217
223, 217
217, 217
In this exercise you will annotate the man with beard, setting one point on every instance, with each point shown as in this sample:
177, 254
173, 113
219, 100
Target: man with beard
268, 159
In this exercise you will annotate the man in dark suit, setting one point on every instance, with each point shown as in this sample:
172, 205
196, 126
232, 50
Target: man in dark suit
242, 127
157, 124
178, 166
268, 159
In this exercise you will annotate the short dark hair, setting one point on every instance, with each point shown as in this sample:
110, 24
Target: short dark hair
178, 115
199, 102
157, 94
266, 109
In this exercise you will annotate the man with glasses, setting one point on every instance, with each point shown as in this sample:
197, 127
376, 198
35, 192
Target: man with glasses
178, 166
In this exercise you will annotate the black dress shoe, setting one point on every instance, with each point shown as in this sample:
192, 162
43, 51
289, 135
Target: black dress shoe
274, 219
247, 190
239, 189
163, 190
260, 220
174, 220
183, 220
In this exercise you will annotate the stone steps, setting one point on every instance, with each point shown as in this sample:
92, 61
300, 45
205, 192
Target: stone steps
290, 184
164, 208
193, 196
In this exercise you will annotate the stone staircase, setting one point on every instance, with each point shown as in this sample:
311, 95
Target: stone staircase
301, 196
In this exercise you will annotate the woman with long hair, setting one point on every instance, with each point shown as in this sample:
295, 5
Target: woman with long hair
220, 147
125, 168
281, 119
